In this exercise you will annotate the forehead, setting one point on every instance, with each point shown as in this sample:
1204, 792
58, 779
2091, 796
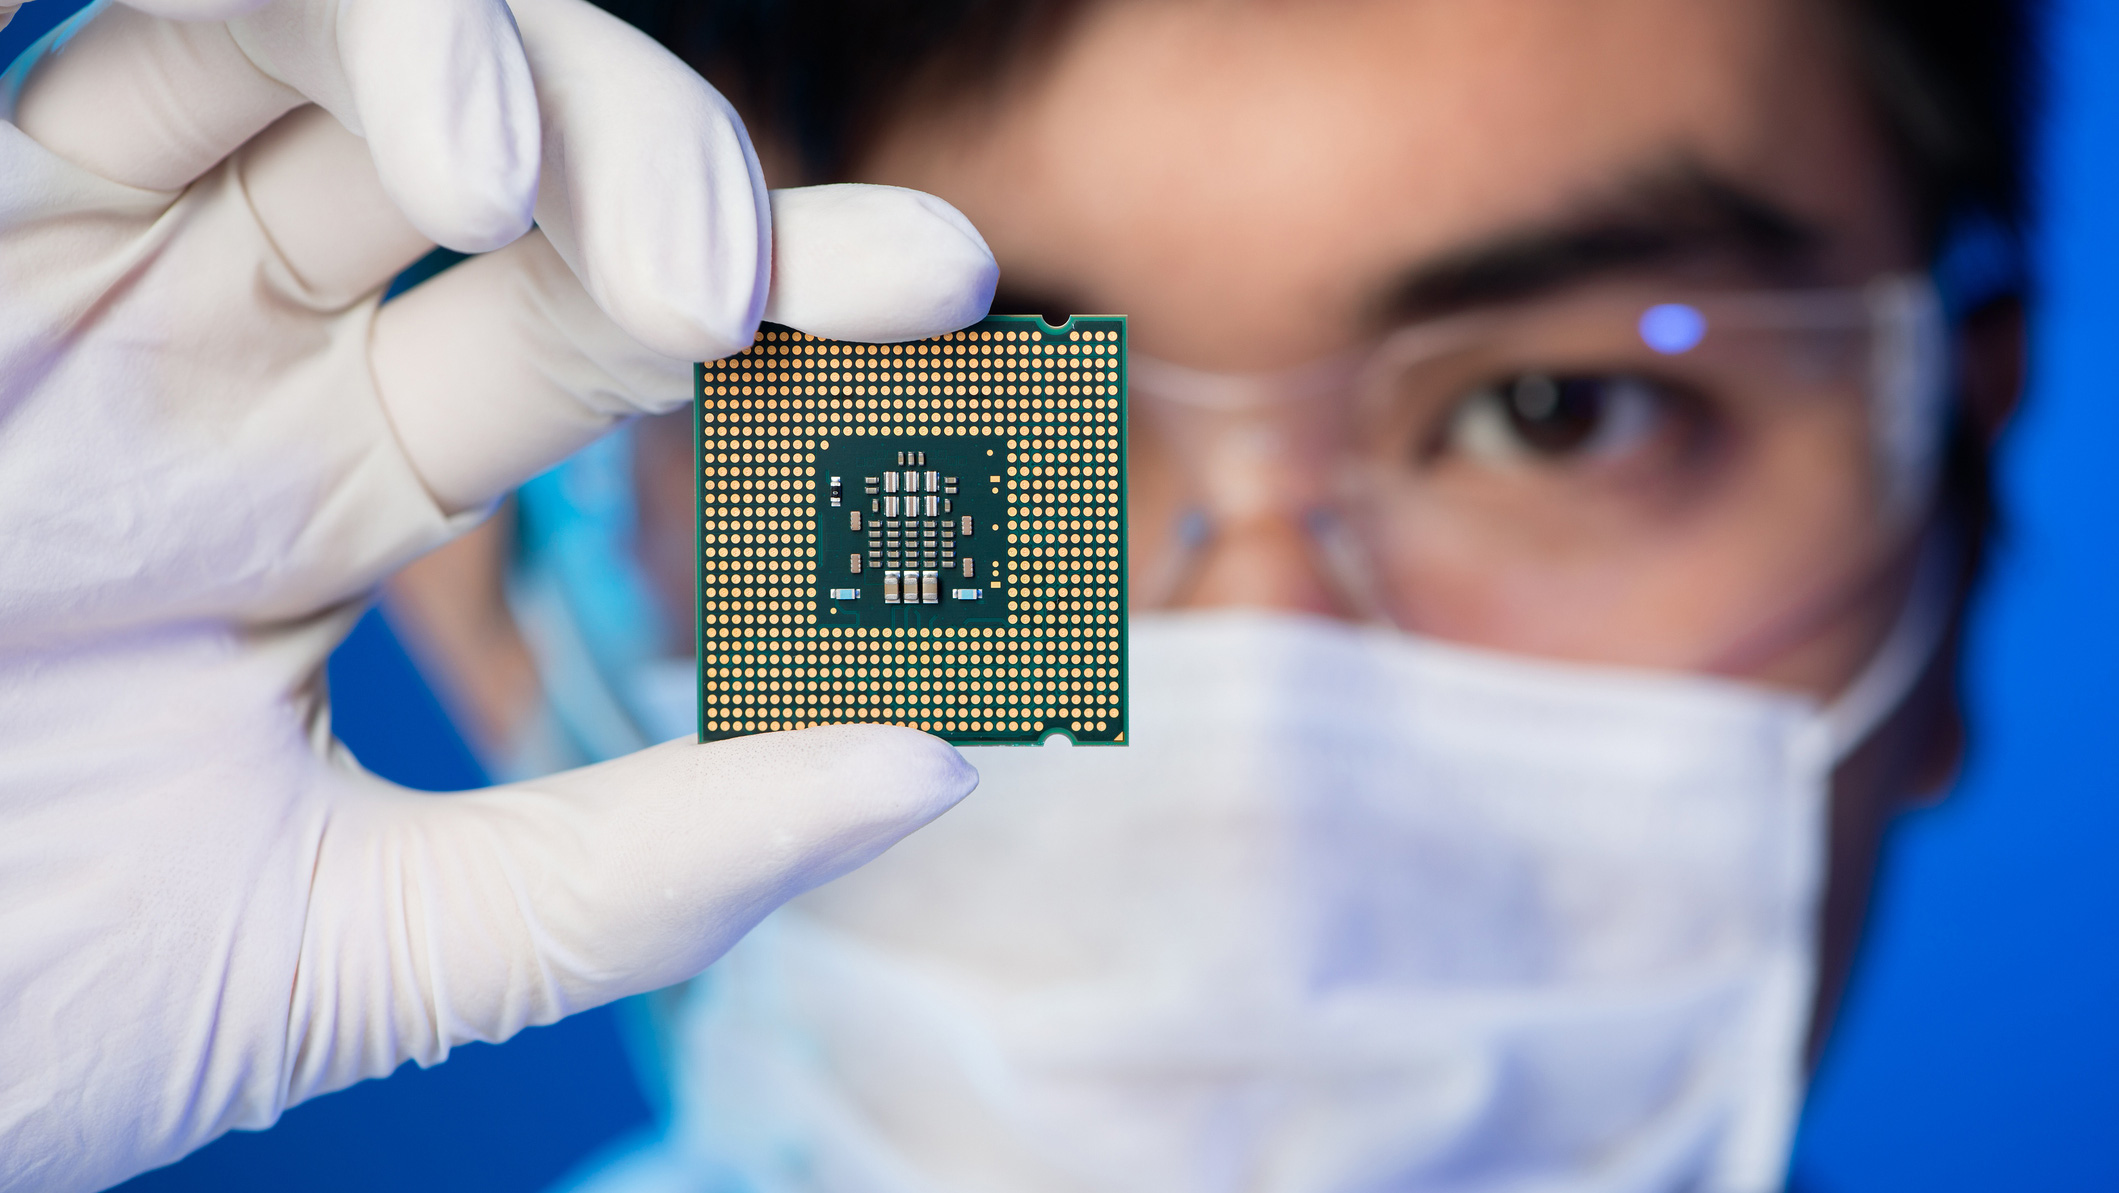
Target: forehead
1249, 177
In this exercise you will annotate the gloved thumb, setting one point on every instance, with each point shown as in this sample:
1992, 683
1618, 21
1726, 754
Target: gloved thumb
496, 910
877, 264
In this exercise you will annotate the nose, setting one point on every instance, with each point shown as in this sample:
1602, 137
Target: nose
1231, 514
1272, 562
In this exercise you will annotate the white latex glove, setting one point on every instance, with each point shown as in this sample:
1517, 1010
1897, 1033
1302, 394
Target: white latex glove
214, 444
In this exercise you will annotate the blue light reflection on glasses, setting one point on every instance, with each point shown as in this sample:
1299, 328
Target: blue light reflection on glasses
1672, 328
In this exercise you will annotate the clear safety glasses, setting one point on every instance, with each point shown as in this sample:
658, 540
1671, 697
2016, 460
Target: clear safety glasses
1622, 465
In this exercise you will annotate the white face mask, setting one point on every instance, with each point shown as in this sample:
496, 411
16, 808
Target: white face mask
1355, 912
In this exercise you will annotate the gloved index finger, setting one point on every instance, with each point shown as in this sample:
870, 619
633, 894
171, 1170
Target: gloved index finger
653, 197
652, 193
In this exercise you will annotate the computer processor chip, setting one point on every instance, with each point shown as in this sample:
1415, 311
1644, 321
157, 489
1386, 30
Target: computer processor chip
929, 534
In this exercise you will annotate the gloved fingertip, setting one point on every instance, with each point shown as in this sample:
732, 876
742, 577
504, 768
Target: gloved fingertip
444, 95
681, 268
875, 263
906, 777
465, 222
682, 332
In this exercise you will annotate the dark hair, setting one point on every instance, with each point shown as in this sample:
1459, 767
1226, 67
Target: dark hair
1956, 85
1953, 82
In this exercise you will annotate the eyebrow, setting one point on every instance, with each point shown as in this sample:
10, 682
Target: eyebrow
1674, 212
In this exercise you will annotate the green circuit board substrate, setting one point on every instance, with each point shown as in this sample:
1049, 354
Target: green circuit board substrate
929, 534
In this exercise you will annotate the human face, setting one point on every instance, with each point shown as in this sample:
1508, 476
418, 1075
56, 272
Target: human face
1263, 185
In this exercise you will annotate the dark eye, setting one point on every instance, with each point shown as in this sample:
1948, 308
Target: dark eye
1559, 418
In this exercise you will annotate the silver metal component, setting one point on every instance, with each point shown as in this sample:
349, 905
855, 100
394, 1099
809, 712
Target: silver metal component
838, 492
934, 480
869, 483
966, 594
890, 507
846, 594
890, 587
912, 482
854, 519
930, 503
890, 483
948, 484
930, 588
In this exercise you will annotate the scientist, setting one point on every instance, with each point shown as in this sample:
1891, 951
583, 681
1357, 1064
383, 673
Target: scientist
214, 444
1557, 459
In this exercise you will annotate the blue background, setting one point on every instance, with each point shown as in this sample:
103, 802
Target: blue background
1979, 1046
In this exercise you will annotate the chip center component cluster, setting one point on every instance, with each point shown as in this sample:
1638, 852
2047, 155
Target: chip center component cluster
913, 531
928, 534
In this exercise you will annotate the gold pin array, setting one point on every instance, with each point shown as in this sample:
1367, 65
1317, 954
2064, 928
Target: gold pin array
1051, 411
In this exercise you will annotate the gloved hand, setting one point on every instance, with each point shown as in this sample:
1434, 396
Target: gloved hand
214, 443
